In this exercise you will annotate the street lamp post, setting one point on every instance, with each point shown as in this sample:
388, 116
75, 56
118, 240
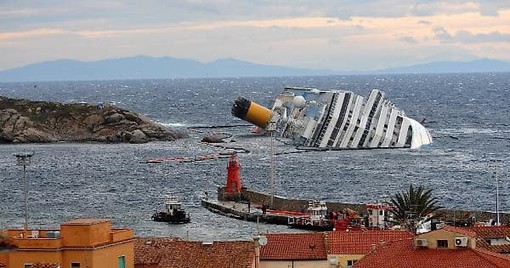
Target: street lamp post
24, 160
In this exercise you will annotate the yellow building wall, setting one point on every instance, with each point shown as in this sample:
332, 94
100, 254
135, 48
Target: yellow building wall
442, 234
105, 257
92, 243
21, 257
294, 264
109, 257
343, 258
85, 235
4, 257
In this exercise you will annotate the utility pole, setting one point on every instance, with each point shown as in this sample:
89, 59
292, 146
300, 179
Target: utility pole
493, 165
24, 160
495, 177
271, 160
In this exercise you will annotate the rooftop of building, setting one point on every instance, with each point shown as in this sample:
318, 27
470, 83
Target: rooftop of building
85, 222
486, 233
173, 252
460, 230
362, 242
403, 253
294, 246
490, 231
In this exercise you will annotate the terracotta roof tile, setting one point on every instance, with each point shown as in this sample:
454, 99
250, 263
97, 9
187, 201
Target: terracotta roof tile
148, 250
404, 254
499, 259
2, 265
362, 242
460, 230
484, 233
488, 232
294, 246
168, 252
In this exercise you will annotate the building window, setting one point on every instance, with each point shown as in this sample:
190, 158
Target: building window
442, 243
122, 261
27, 265
75, 265
351, 262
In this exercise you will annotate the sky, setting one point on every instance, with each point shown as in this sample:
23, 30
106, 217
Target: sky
352, 35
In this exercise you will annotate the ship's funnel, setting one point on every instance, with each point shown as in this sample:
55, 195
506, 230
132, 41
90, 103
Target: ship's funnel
251, 112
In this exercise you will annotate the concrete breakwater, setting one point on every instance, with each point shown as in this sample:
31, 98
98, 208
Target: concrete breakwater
244, 211
257, 199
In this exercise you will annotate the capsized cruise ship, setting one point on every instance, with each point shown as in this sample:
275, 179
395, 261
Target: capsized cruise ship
334, 119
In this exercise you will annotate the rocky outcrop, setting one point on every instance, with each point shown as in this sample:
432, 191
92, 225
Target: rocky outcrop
23, 121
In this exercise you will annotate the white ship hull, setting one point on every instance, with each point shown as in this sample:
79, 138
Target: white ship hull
337, 120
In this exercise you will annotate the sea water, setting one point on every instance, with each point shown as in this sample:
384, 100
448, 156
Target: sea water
468, 116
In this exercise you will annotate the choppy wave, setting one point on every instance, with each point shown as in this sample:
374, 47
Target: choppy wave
114, 181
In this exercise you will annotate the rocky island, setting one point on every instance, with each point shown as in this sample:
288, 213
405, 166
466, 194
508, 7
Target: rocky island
23, 121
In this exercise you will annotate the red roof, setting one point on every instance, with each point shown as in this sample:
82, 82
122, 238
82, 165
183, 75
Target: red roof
404, 254
488, 232
169, 252
361, 242
460, 230
485, 233
149, 250
294, 246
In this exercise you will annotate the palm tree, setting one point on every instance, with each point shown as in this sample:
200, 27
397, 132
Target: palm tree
409, 207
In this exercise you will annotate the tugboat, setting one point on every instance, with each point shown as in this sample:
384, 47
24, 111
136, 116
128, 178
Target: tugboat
174, 212
319, 219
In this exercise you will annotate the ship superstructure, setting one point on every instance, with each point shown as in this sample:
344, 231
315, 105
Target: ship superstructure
335, 119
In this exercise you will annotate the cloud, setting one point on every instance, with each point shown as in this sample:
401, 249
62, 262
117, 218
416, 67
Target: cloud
408, 39
463, 36
30, 34
322, 33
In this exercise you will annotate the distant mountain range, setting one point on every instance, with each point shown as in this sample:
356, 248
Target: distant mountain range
144, 67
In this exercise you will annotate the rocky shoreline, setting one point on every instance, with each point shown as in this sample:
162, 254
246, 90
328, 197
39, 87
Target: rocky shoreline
24, 121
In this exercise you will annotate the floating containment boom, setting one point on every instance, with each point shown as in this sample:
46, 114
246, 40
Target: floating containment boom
335, 119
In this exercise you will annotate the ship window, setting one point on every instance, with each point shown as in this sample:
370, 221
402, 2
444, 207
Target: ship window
442, 243
75, 265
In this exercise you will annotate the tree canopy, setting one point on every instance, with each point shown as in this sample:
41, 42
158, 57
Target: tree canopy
410, 206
